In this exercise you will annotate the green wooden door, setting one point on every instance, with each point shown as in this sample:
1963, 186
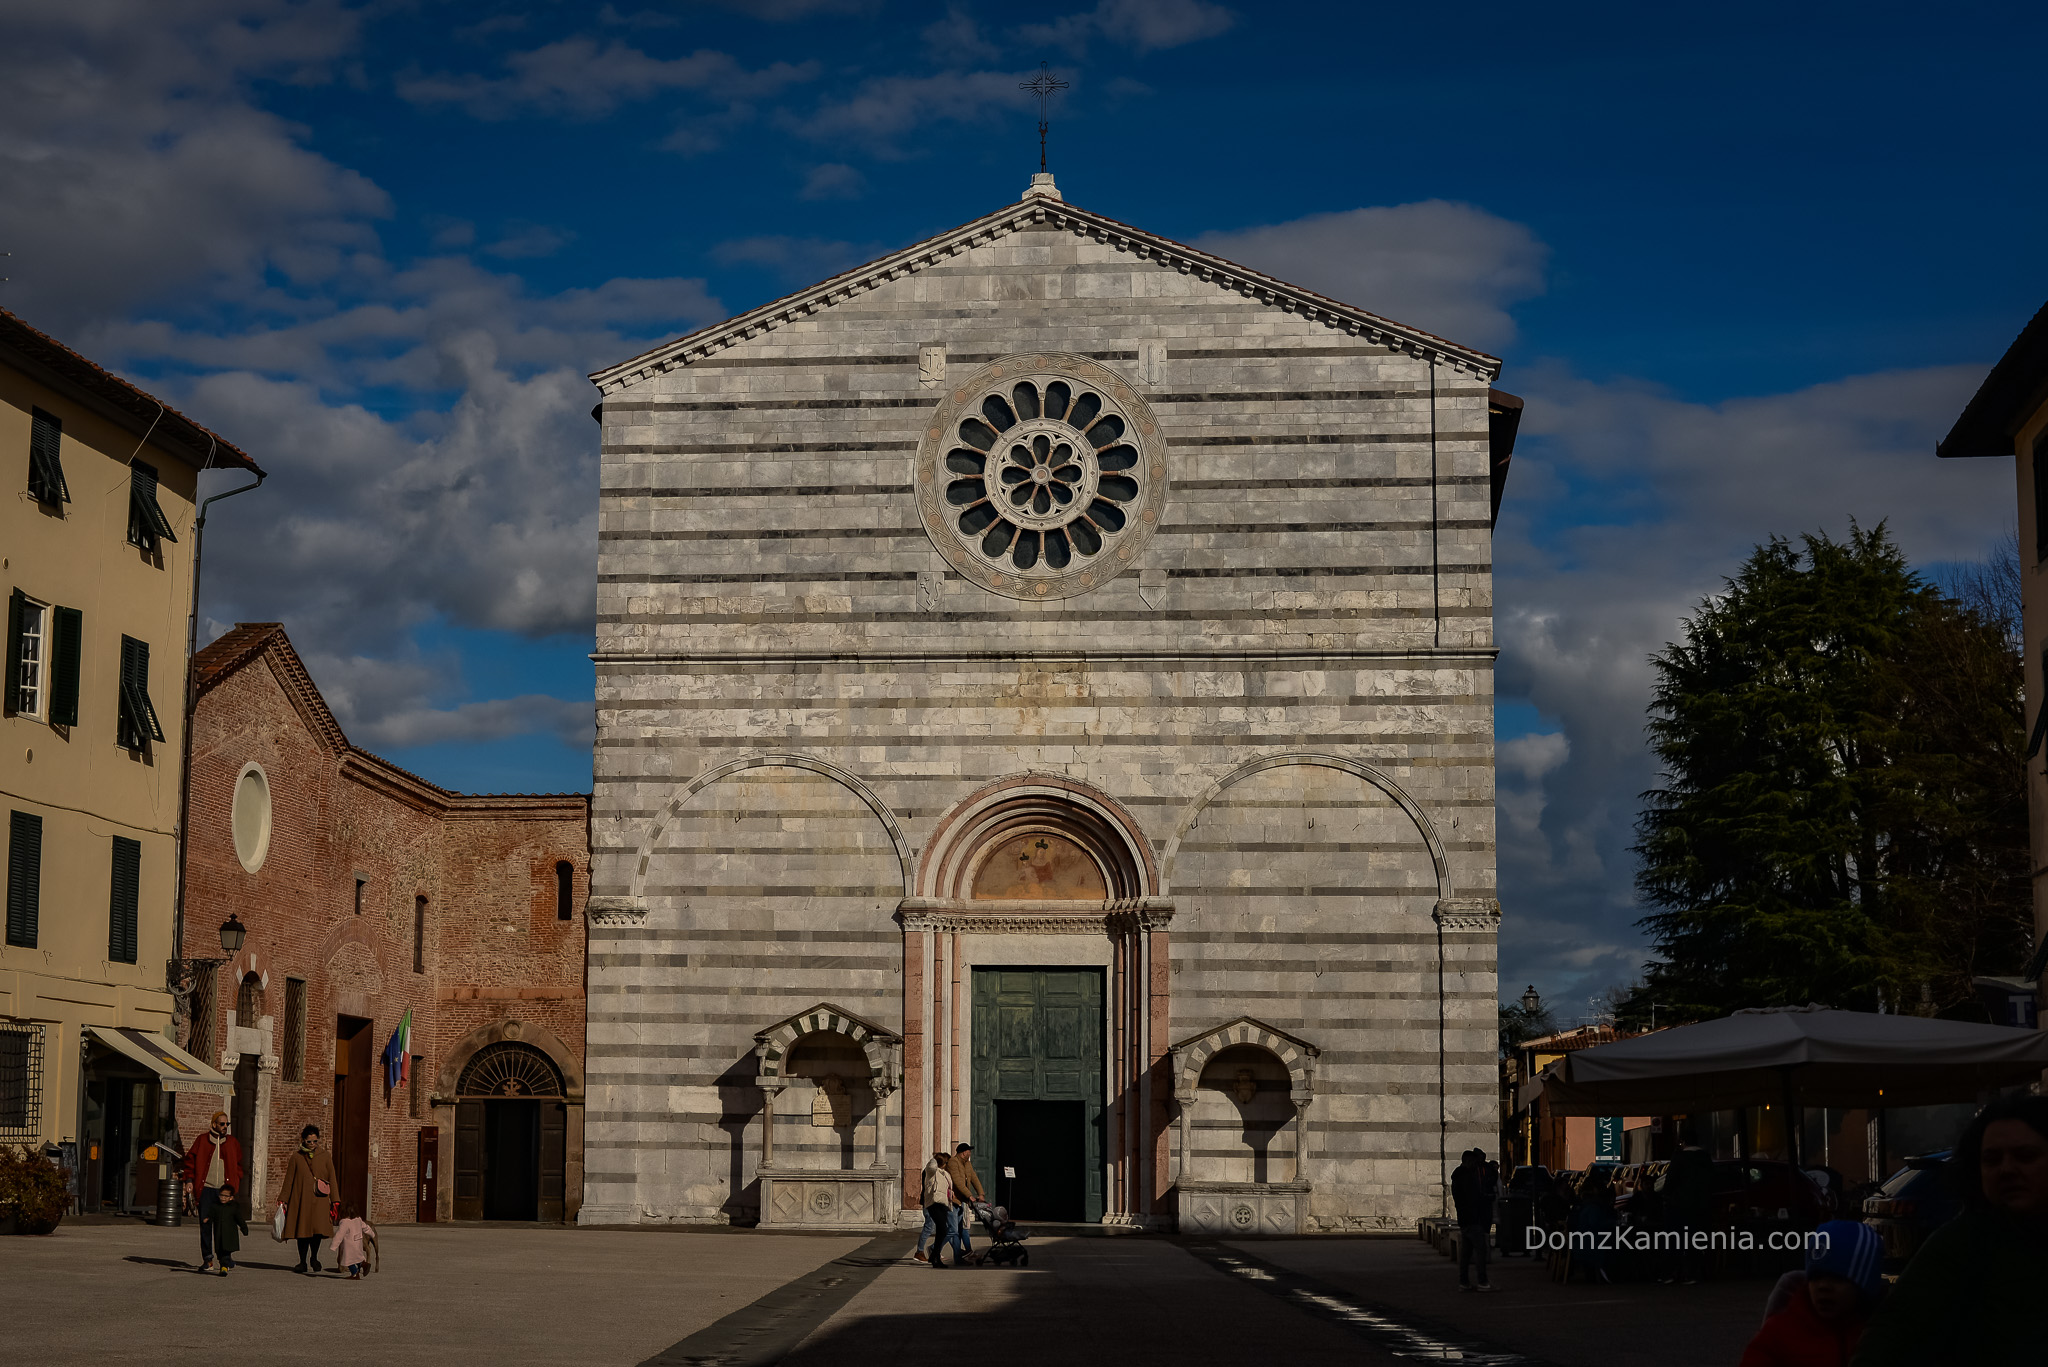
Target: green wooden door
1038, 1037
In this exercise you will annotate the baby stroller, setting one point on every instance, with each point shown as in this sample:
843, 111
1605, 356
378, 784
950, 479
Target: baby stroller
1005, 1237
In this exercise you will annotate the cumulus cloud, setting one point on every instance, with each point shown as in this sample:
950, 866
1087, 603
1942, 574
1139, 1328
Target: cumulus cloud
882, 110
833, 180
571, 721
425, 423
580, 77
1626, 507
795, 260
137, 172
1451, 269
1146, 25
523, 240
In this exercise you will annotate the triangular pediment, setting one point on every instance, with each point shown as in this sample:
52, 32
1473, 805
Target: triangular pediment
1038, 209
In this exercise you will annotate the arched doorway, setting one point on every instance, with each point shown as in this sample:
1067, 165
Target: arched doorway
511, 1136
242, 1110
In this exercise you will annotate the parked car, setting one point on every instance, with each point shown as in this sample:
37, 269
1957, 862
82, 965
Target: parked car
1514, 1209
1910, 1206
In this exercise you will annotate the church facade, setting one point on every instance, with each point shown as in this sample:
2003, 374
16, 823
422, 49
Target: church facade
1044, 686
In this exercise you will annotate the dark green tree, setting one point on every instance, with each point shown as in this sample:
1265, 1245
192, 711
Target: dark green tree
1843, 818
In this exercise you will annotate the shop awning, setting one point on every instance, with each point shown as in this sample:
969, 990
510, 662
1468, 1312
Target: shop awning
1800, 1056
179, 1071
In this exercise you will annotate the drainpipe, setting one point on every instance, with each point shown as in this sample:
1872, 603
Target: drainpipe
185, 768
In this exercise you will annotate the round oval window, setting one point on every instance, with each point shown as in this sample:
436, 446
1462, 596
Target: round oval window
251, 818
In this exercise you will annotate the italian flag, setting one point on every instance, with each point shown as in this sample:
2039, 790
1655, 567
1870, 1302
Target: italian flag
398, 1053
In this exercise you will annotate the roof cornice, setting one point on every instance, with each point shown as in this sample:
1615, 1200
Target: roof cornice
1036, 209
140, 413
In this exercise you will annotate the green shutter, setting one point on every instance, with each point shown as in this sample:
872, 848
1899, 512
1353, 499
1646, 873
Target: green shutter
137, 716
24, 877
124, 903
146, 520
14, 605
67, 638
45, 459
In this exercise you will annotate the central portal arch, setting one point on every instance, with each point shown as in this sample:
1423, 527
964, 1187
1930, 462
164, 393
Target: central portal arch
1032, 940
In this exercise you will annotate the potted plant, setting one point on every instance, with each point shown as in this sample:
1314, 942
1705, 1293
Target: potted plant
34, 1192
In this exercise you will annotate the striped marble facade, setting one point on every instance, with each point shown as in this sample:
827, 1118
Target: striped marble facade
1288, 701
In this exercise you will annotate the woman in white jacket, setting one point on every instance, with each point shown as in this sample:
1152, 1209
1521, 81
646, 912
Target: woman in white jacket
938, 1207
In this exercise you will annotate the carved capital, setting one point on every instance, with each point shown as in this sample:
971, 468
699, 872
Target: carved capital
1468, 913
616, 911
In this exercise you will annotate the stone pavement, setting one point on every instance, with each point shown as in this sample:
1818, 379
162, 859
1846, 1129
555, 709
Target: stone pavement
451, 1295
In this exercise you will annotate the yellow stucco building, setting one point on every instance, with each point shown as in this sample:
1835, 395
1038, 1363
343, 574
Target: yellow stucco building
98, 482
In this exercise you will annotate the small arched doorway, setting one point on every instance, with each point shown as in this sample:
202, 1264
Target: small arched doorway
511, 1136
242, 1110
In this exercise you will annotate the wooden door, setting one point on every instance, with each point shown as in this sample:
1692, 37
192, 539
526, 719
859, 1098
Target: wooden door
554, 1160
1038, 1036
353, 1071
469, 1160
242, 1124
427, 1208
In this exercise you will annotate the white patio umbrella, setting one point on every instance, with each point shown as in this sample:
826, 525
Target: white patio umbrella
1794, 1056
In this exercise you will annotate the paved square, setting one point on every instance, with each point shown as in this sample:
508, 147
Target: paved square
451, 1295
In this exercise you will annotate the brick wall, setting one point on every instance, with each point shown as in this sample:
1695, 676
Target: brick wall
495, 961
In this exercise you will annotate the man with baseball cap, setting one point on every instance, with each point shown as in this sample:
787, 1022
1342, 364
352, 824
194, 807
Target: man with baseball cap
213, 1166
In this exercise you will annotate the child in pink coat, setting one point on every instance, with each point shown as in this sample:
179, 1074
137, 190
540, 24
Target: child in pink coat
350, 1236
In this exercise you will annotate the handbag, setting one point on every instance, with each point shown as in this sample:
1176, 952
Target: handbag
277, 1223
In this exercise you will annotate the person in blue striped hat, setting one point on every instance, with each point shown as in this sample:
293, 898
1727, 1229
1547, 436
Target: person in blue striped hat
1820, 1320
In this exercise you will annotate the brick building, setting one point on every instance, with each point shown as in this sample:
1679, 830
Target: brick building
369, 892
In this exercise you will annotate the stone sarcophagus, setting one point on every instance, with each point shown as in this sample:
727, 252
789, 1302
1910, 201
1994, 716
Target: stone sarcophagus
1224, 1209
799, 1199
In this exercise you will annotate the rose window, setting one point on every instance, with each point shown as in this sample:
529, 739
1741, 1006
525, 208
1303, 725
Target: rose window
1050, 473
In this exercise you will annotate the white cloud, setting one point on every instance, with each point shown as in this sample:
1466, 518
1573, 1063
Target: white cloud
833, 180
524, 240
581, 78
882, 110
957, 40
1451, 269
1146, 25
571, 721
798, 260
1625, 507
136, 171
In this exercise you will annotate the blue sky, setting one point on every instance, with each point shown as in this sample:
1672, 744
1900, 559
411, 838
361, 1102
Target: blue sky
1745, 262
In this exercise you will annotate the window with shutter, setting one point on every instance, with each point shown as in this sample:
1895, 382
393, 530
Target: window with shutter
146, 521
137, 723
17, 601
67, 638
45, 460
123, 905
24, 877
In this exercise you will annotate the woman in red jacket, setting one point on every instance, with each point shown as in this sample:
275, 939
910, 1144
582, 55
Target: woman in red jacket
1823, 1318
213, 1175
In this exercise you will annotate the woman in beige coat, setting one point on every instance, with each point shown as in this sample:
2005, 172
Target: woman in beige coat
308, 1197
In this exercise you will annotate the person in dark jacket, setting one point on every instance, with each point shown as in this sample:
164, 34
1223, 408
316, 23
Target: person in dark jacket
1973, 1294
1472, 1198
213, 1175
1825, 1308
1687, 1198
